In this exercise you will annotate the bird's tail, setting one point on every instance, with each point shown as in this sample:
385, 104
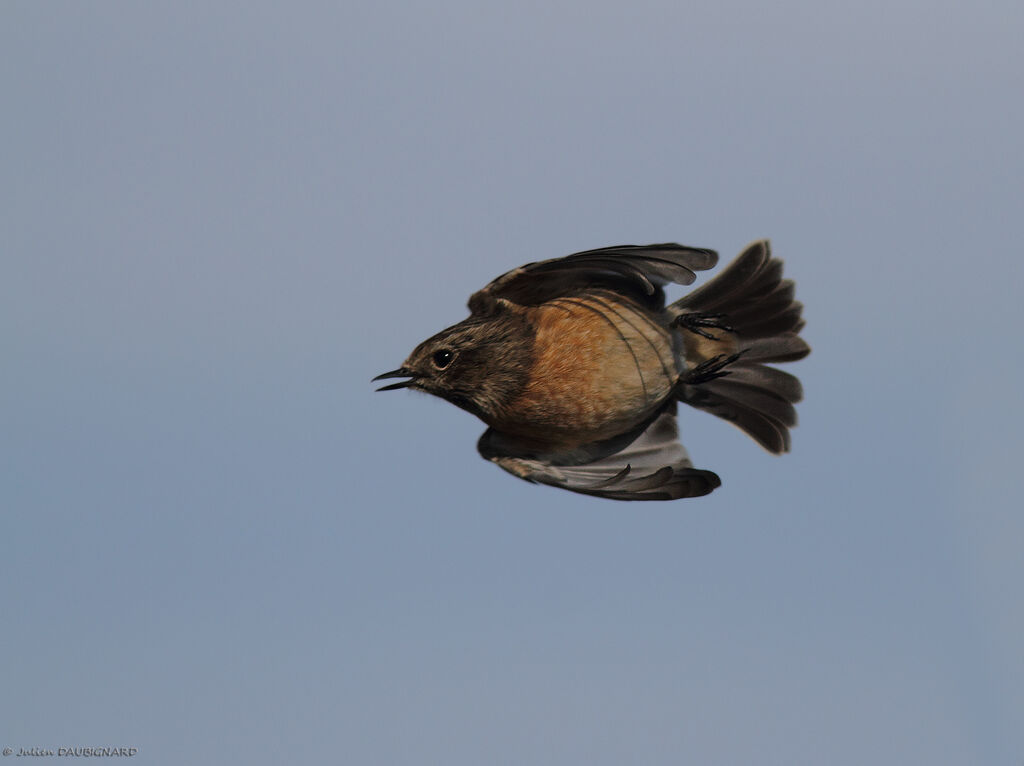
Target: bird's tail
730, 328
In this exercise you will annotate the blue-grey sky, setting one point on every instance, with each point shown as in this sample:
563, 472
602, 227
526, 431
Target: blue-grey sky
220, 220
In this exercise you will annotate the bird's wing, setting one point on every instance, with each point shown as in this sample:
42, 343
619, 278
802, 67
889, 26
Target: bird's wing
638, 271
653, 466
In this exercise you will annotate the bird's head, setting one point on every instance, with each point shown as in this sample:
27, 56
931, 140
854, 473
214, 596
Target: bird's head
479, 364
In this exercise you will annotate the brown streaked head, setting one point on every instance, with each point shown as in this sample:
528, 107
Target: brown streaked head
479, 364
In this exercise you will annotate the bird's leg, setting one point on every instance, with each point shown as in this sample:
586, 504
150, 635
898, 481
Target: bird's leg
695, 322
711, 368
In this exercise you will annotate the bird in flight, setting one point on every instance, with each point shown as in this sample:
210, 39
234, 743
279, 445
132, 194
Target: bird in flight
576, 365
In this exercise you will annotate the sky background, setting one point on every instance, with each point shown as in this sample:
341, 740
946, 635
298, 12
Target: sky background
218, 221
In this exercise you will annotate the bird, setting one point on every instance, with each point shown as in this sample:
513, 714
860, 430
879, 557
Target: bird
577, 365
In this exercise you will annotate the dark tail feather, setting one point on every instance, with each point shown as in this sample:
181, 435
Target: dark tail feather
785, 347
758, 304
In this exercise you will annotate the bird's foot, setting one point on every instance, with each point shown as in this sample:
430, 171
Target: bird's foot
711, 368
695, 322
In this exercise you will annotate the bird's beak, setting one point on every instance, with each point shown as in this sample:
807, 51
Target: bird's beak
401, 372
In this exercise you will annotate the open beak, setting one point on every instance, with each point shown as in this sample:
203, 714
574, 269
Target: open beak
401, 372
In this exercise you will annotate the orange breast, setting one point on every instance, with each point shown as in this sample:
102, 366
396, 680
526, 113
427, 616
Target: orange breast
599, 367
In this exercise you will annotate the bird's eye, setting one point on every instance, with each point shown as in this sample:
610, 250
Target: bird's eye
443, 358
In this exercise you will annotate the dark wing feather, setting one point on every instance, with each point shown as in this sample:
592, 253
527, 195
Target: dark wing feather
654, 466
637, 271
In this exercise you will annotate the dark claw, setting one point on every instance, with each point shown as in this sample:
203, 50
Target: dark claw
696, 322
712, 368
